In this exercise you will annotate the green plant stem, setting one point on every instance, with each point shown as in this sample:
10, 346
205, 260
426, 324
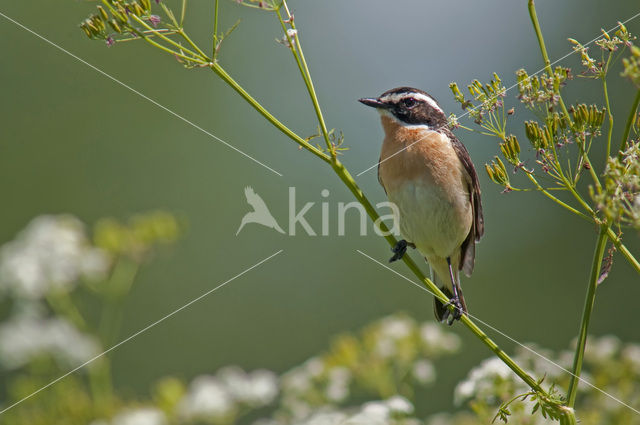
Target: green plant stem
296, 49
615, 239
608, 105
547, 65
62, 304
183, 12
118, 285
168, 40
627, 127
556, 200
617, 242
586, 314
194, 45
543, 50
215, 67
171, 52
215, 30
568, 417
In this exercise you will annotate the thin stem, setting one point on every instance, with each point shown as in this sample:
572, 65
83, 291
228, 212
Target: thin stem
215, 30
617, 242
147, 34
547, 65
119, 284
556, 200
273, 120
304, 69
62, 304
608, 105
171, 52
194, 45
586, 314
163, 37
627, 127
183, 12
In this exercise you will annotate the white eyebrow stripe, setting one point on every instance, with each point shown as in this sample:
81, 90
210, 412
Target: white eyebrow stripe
418, 96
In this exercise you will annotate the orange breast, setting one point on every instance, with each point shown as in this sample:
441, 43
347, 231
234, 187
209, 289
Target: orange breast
418, 154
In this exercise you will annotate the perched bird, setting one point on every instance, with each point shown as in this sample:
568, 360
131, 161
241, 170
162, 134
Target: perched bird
427, 172
260, 213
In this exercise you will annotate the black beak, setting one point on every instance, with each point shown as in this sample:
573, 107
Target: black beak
373, 102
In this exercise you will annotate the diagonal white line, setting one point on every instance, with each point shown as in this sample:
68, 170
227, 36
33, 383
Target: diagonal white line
506, 90
140, 331
508, 337
175, 114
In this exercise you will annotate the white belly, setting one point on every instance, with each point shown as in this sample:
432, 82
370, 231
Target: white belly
435, 222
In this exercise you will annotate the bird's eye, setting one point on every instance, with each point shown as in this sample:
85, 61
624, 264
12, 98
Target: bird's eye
409, 102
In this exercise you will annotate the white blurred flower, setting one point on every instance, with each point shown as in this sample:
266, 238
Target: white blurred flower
437, 339
297, 379
631, 354
440, 419
382, 412
399, 404
315, 366
601, 349
392, 329
324, 418
535, 357
51, 253
24, 337
396, 327
424, 372
372, 413
338, 384
206, 398
141, 416
297, 407
386, 346
464, 390
257, 388
481, 379
266, 421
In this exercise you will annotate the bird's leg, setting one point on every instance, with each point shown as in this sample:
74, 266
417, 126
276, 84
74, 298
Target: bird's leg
400, 249
455, 300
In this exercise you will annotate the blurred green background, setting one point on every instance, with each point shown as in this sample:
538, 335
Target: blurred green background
72, 140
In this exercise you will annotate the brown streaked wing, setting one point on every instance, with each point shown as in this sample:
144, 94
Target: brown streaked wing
477, 228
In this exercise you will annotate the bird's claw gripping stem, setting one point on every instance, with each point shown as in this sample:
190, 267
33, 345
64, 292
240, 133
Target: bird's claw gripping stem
400, 249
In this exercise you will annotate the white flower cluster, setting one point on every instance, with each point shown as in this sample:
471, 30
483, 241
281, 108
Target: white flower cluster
221, 395
392, 330
393, 411
631, 354
366, 363
25, 337
438, 340
482, 380
51, 253
138, 416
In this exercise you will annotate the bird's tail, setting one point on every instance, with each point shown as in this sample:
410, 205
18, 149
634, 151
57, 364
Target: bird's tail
439, 308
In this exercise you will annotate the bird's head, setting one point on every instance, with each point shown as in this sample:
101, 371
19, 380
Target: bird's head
409, 106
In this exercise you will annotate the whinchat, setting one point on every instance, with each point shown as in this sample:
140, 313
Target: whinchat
428, 174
